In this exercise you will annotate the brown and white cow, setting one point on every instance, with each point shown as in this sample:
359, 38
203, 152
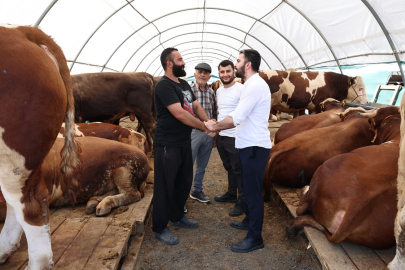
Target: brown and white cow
352, 196
110, 132
112, 176
331, 108
294, 91
294, 160
398, 262
36, 96
108, 96
110, 167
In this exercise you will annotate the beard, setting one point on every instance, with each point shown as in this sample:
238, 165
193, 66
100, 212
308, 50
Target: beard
240, 73
231, 78
178, 70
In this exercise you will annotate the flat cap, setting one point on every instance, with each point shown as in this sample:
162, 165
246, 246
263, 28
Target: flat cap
203, 66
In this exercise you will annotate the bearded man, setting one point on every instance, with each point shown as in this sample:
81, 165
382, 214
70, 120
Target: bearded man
176, 106
253, 141
228, 97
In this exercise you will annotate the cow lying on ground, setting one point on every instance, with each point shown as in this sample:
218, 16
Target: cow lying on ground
352, 196
331, 109
35, 98
295, 91
112, 177
110, 132
398, 263
105, 97
293, 161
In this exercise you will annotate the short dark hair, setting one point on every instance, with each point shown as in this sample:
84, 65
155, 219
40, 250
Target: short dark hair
253, 57
226, 63
166, 55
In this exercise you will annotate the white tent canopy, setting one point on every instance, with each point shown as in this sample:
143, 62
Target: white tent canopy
128, 35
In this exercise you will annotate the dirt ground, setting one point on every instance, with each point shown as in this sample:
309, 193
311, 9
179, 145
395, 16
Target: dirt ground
208, 246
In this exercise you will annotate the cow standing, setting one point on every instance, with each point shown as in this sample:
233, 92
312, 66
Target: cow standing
331, 108
293, 161
36, 97
108, 96
352, 196
110, 132
295, 91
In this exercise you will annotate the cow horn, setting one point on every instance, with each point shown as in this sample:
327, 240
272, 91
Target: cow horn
369, 114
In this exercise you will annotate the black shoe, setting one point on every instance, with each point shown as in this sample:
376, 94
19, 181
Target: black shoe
226, 198
185, 223
240, 225
167, 237
199, 196
248, 244
238, 209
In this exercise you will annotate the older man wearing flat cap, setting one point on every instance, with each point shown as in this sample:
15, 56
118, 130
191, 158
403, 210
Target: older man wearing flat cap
201, 143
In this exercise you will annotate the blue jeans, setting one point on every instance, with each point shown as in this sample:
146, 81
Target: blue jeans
253, 162
201, 147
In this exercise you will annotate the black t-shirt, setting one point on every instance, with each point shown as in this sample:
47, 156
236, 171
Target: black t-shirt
170, 131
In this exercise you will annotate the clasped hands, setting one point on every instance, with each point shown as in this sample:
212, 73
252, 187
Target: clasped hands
209, 126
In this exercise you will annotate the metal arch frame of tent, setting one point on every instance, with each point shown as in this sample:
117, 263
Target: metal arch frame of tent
194, 41
226, 53
381, 24
199, 48
317, 30
163, 16
184, 54
387, 36
191, 33
243, 42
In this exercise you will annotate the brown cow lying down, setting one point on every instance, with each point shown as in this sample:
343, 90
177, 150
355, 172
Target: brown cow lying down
108, 96
331, 109
109, 168
353, 196
294, 91
293, 161
110, 132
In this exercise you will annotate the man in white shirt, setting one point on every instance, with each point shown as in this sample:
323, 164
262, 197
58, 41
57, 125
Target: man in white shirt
228, 97
253, 141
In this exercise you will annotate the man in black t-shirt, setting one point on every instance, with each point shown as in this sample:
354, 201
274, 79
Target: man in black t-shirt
176, 106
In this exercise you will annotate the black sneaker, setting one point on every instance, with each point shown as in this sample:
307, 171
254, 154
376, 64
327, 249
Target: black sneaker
199, 196
240, 225
238, 209
248, 244
226, 198
185, 223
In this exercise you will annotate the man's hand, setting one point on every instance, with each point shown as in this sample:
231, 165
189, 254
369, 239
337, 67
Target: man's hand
209, 133
210, 124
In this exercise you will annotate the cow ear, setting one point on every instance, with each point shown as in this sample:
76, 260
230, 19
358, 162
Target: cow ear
352, 81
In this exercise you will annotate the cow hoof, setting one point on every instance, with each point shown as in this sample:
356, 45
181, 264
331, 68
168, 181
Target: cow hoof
102, 211
91, 206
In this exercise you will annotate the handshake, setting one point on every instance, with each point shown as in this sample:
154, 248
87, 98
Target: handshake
210, 128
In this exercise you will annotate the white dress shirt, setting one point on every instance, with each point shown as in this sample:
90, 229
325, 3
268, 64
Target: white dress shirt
251, 116
227, 100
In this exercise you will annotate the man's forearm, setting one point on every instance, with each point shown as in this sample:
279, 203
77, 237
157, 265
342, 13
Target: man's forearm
227, 123
189, 120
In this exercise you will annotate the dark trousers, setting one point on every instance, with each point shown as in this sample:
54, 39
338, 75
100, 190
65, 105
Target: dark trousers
253, 164
173, 179
230, 159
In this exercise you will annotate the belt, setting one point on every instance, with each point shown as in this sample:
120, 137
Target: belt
198, 129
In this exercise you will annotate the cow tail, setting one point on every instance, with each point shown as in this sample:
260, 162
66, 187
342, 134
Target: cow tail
298, 223
71, 165
270, 171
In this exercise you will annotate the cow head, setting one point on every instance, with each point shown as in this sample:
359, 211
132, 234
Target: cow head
377, 117
330, 101
356, 90
136, 139
351, 113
